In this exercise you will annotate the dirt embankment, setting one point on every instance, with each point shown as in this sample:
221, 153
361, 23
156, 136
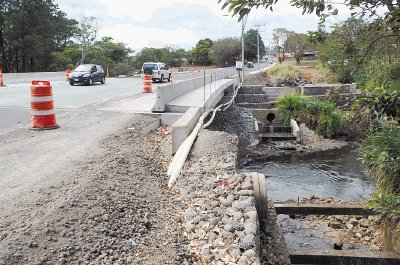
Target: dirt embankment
114, 209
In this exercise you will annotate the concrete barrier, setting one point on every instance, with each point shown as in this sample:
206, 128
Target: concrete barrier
184, 126
15, 78
168, 93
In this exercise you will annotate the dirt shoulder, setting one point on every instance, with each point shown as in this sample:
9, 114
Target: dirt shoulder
112, 209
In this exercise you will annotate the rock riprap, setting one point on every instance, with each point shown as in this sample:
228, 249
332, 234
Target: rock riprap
221, 221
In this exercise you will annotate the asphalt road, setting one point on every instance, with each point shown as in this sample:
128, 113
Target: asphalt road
15, 98
32, 160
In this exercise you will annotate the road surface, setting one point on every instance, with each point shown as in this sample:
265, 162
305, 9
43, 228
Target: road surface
39, 169
86, 115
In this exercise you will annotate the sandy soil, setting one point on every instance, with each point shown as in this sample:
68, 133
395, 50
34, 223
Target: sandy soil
113, 209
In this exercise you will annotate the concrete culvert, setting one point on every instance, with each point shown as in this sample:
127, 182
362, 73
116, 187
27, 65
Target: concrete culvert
271, 117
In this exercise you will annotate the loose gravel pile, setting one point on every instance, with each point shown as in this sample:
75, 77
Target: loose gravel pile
220, 218
113, 210
353, 232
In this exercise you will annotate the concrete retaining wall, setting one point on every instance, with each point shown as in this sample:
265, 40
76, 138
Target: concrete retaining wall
321, 89
14, 78
184, 126
306, 90
275, 92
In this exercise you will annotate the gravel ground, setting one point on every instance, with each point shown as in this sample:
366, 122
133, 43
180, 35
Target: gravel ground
228, 126
221, 220
350, 232
114, 209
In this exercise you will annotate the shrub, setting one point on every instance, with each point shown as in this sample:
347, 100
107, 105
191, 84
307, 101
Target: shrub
386, 76
381, 153
323, 116
283, 71
387, 206
346, 76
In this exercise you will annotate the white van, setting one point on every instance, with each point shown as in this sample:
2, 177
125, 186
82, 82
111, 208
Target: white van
159, 71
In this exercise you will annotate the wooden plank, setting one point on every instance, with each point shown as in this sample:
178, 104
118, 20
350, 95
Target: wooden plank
321, 209
343, 257
260, 195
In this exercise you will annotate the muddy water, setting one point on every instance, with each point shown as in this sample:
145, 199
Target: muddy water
338, 174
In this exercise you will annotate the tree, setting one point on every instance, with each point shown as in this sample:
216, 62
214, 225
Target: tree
166, 55
297, 43
250, 45
322, 8
200, 55
86, 35
279, 40
224, 52
30, 31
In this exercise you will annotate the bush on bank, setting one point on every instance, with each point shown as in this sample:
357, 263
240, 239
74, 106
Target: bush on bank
381, 153
322, 116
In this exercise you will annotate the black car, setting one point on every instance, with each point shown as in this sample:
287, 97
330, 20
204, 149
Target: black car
87, 74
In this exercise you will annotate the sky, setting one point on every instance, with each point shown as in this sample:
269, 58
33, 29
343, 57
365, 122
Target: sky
182, 23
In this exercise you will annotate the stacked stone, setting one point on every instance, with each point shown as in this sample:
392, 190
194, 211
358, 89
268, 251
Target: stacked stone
220, 219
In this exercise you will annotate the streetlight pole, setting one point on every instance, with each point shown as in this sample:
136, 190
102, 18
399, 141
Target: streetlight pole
243, 49
258, 45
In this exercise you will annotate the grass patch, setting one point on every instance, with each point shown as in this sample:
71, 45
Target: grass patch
322, 116
381, 153
312, 71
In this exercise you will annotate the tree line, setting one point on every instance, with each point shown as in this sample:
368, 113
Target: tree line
35, 36
222, 52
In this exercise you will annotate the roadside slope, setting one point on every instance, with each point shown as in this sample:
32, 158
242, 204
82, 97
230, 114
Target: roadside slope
112, 209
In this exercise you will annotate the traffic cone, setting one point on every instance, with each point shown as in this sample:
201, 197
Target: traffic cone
1, 77
42, 106
67, 73
147, 84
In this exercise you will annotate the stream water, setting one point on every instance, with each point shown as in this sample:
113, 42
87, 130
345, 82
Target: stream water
338, 174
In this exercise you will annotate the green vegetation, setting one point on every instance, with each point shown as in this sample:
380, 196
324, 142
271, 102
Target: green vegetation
36, 35
323, 116
250, 45
387, 206
364, 49
381, 153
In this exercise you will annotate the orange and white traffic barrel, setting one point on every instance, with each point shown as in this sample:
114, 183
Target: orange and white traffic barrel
42, 106
147, 83
1, 77
67, 73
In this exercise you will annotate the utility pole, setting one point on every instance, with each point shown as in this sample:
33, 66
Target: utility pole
269, 51
258, 45
243, 25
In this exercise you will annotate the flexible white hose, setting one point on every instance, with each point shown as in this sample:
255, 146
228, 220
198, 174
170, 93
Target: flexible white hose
183, 151
227, 105
181, 155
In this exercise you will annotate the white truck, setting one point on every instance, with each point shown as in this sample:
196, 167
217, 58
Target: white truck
158, 71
